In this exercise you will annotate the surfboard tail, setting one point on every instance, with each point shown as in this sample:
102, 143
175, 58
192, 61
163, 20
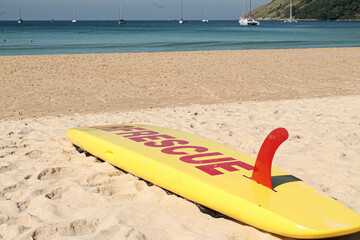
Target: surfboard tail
262, 168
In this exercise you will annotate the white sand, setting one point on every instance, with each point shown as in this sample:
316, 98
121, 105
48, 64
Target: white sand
50, 191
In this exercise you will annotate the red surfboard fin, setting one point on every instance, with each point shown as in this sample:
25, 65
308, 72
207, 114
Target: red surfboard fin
262, 169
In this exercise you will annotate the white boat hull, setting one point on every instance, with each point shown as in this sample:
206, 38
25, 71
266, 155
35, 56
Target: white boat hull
290, 21
247, 22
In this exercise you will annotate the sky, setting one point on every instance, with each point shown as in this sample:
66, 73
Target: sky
131, 9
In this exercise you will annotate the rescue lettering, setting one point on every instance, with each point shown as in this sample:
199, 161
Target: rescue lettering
212, 163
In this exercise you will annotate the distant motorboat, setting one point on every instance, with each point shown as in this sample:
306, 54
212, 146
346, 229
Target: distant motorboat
290, 20
20, 19
181, 21
204, 20
121, 20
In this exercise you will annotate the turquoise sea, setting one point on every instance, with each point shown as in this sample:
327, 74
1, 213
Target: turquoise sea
65, 37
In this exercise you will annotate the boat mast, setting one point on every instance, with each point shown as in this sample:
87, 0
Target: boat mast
243, 8
20, 19
290, 10
120, 11
121, 20
250, 9
181, 11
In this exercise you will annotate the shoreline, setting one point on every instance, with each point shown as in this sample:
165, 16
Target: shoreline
184, 51
43, 85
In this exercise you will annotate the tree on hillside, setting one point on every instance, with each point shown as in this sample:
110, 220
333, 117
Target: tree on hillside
327, 9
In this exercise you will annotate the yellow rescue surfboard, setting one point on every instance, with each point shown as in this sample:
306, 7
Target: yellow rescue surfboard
221, 178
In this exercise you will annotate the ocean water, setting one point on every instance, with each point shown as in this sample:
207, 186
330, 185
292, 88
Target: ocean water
65, 37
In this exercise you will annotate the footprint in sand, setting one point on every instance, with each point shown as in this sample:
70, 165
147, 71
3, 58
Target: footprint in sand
79, 227
12, 188
35, 154
7, 168
55, 194
140, 185
56, 172
23, 205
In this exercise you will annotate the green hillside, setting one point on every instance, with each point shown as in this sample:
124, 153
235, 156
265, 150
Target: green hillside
310, 9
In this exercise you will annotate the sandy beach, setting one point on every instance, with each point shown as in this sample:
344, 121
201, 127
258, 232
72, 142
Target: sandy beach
36, 86
50, 191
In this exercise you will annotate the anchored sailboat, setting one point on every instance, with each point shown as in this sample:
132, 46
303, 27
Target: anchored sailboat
290, 19
20, 19
74, 18
246, 21
121, 20
205, 20
181, 21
